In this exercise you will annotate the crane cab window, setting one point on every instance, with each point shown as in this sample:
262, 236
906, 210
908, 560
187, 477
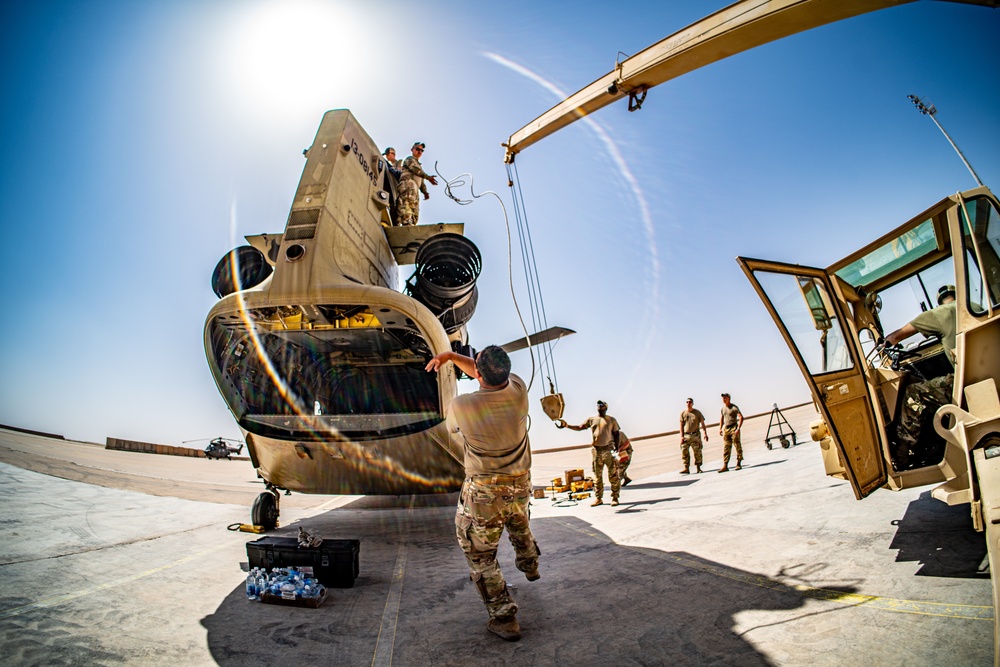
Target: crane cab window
804, 306
981, 240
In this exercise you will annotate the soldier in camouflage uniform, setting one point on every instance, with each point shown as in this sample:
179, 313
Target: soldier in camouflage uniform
730, 423
411, 185
605, 433
624, 458
492, 424
922, 399
691, 419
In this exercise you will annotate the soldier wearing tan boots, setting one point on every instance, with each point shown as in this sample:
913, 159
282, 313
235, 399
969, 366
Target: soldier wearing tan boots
730, 424
492, 424
604, 431
691, 421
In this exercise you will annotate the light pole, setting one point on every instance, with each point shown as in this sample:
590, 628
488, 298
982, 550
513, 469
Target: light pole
930, 110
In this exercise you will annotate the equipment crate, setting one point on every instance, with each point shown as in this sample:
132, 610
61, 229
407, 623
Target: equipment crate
334, 562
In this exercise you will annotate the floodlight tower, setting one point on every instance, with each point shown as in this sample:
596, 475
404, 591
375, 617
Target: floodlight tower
930, 110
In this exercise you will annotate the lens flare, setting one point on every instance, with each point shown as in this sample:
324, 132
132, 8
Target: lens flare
359, 458
651, 314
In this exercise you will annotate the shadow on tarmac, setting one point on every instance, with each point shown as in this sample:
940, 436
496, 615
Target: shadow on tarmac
597, 603
763, 465
660, 485
631, 506
941, 538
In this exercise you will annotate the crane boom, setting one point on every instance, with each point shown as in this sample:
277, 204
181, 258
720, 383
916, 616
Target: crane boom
734, 29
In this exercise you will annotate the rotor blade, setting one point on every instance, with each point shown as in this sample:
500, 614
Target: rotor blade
550, 334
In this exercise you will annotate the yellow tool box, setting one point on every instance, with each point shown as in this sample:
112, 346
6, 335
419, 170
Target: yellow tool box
585, 485
557, 486
574, 476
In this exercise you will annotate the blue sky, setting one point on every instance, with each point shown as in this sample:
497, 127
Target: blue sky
141, 141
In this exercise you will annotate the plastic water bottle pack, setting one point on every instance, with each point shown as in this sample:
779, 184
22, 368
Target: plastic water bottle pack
285, 582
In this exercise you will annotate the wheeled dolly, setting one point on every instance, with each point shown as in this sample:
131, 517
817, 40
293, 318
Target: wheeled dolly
778, 421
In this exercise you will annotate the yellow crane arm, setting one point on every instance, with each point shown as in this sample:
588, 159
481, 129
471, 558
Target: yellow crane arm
734, 29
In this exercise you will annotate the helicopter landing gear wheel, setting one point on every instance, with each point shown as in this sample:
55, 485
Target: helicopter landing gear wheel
265, 511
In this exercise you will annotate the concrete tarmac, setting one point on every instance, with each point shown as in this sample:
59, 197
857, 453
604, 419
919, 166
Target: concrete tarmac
113, 558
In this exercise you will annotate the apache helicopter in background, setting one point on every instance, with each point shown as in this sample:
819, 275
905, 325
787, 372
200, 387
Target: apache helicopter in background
830, 318
319, 357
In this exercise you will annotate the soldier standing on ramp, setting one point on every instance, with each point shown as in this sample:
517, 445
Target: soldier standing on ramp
411, 184
493, 424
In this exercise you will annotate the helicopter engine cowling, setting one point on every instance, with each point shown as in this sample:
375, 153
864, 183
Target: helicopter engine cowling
447, 267
241, 268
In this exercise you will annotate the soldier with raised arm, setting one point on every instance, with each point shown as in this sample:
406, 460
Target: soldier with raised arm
493, 426
604, 433
411, 185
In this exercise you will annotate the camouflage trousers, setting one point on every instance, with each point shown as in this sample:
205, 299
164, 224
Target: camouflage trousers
407, 203
488, 504
918, 398
730, 437
691, 441
622, 467
604, 457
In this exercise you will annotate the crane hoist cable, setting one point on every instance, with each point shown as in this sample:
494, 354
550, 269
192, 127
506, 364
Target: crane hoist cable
460, 181
532, 278
552, 403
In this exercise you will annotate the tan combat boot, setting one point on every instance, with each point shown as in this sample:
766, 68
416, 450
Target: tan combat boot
506, 628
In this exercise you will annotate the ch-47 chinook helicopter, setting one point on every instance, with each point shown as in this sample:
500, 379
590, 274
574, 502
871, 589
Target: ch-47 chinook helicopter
318, 355
832, 319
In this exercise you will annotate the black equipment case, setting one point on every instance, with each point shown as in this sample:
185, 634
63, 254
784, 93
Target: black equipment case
334, 562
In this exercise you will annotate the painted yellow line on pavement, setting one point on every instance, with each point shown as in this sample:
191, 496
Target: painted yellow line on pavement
947, 610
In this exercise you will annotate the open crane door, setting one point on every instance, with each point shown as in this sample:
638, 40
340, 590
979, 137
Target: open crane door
810, 314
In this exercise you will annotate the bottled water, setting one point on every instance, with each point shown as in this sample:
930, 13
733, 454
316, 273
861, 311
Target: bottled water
261, 582
253, 592
311, 588
288, 583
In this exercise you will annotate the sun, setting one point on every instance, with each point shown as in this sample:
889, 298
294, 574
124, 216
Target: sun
285, 55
